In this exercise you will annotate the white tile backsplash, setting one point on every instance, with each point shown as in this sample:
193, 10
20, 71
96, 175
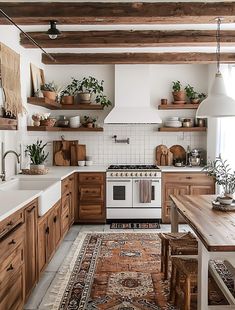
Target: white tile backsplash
143, 141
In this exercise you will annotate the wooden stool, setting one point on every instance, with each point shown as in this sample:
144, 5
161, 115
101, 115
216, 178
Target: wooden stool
165, 239
180, 247
185, 273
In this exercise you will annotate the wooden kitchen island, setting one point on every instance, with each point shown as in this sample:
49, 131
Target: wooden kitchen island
216, 239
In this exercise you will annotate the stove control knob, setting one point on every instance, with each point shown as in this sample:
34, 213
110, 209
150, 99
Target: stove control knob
155, 174
111, 174
146, 174
136, 174
150, 174
127, 174
131, 174
121, 174
117, 174
140, 173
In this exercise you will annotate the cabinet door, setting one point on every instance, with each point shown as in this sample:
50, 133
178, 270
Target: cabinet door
65, 221
50, 236
73, 200
31, 247
57, 223
42, 244
92, 212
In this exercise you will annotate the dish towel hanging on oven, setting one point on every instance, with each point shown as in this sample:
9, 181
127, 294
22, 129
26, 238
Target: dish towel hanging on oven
145, 188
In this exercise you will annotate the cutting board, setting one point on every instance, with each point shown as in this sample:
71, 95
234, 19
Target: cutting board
163, 156
81, 152
62, 152
178, 152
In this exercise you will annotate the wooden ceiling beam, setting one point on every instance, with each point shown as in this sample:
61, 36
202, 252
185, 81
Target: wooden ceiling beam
123, 38
136, 58
36, 13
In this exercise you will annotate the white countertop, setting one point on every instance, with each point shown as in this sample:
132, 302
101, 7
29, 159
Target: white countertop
12, 201
180, 169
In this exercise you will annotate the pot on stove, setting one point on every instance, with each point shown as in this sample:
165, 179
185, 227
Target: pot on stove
195, 157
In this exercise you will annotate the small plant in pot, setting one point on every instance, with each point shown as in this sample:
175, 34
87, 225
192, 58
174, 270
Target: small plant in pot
49, 90
87, 87
37, 155
89, 121
69, 92
192, 94
221, 172
178, 93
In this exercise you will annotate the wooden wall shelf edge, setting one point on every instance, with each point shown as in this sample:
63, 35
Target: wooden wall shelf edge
8, 123
52, 105
182, 129
178, 106
80, 129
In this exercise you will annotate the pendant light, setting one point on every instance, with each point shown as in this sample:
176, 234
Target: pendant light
53, 32
218, 103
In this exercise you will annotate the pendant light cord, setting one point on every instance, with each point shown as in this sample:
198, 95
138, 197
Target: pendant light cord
26, 35
218, 44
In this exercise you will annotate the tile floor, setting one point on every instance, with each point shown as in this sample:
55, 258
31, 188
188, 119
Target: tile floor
34, 302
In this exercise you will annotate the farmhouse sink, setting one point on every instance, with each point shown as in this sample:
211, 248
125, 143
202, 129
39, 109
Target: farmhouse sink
50, 191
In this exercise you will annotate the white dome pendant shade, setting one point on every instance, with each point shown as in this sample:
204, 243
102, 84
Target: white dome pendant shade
218, 103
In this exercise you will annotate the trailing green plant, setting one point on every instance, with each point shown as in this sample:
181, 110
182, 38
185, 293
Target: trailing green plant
71, 89
89, 119
90, 85
36, 152
103, 100
201, 96
176, 86
190, 92
222, 174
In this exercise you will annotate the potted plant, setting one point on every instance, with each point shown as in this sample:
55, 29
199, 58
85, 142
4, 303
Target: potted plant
87, 87
37, 155
201, 96
222, 174
89, 121
191, 94
178, 93
69, 92
46, 120
49, 90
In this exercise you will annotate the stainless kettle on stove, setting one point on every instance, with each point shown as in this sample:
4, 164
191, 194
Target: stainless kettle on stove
195, 157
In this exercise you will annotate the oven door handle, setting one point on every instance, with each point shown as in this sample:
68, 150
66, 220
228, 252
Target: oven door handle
153, 181
114, 181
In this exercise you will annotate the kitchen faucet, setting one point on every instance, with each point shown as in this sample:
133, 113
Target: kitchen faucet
3, 174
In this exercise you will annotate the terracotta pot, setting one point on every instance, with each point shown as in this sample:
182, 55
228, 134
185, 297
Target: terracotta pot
179, 96
68, 100
49, 94
90, 125
194, 101
84, 97
50, 122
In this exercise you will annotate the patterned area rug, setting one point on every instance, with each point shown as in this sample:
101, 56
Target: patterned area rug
135, 226
115, 271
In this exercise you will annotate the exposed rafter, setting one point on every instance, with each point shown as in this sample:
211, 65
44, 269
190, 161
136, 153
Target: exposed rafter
137, 58
123, 38
30, 13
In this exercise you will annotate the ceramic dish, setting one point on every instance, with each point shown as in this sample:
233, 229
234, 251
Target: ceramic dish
175, 124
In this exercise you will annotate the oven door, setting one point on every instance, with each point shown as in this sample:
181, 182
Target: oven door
155, 194
119, 193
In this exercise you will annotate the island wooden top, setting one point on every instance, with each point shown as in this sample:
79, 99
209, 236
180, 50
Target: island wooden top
216, 229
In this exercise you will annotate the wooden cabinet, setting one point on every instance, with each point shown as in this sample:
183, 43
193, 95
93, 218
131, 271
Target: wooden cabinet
91, 194
177, 183
30, 214
12, 265
49, 235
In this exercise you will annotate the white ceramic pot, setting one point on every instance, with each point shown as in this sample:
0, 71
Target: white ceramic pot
37, 167
225, 200
81, 163
89, 162
74, 122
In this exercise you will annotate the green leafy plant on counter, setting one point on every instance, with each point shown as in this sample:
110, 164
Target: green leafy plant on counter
36, 152
222, 173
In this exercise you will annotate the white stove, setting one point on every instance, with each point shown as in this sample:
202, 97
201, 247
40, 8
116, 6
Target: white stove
126, 184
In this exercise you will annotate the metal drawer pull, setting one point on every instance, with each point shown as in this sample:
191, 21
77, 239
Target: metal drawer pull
12, 242
55, 219
155, 181
122, 181
10, 268
67, 215
10, 223
189, 178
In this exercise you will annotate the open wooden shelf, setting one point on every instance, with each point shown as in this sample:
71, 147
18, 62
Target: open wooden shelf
173, 106
53, 105
8, 123
46, 128
183, 129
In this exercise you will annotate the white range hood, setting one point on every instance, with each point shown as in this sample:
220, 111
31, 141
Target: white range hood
132, 96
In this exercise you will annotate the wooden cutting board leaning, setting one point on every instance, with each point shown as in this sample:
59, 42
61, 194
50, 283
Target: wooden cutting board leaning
179, 153
164, 156
62, 153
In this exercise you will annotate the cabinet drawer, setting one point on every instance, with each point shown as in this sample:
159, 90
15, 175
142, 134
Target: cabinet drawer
65, 186
91, 211
11, 222
91, 192
14, 239
188, 178
12, 263
12, 292
91, 177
